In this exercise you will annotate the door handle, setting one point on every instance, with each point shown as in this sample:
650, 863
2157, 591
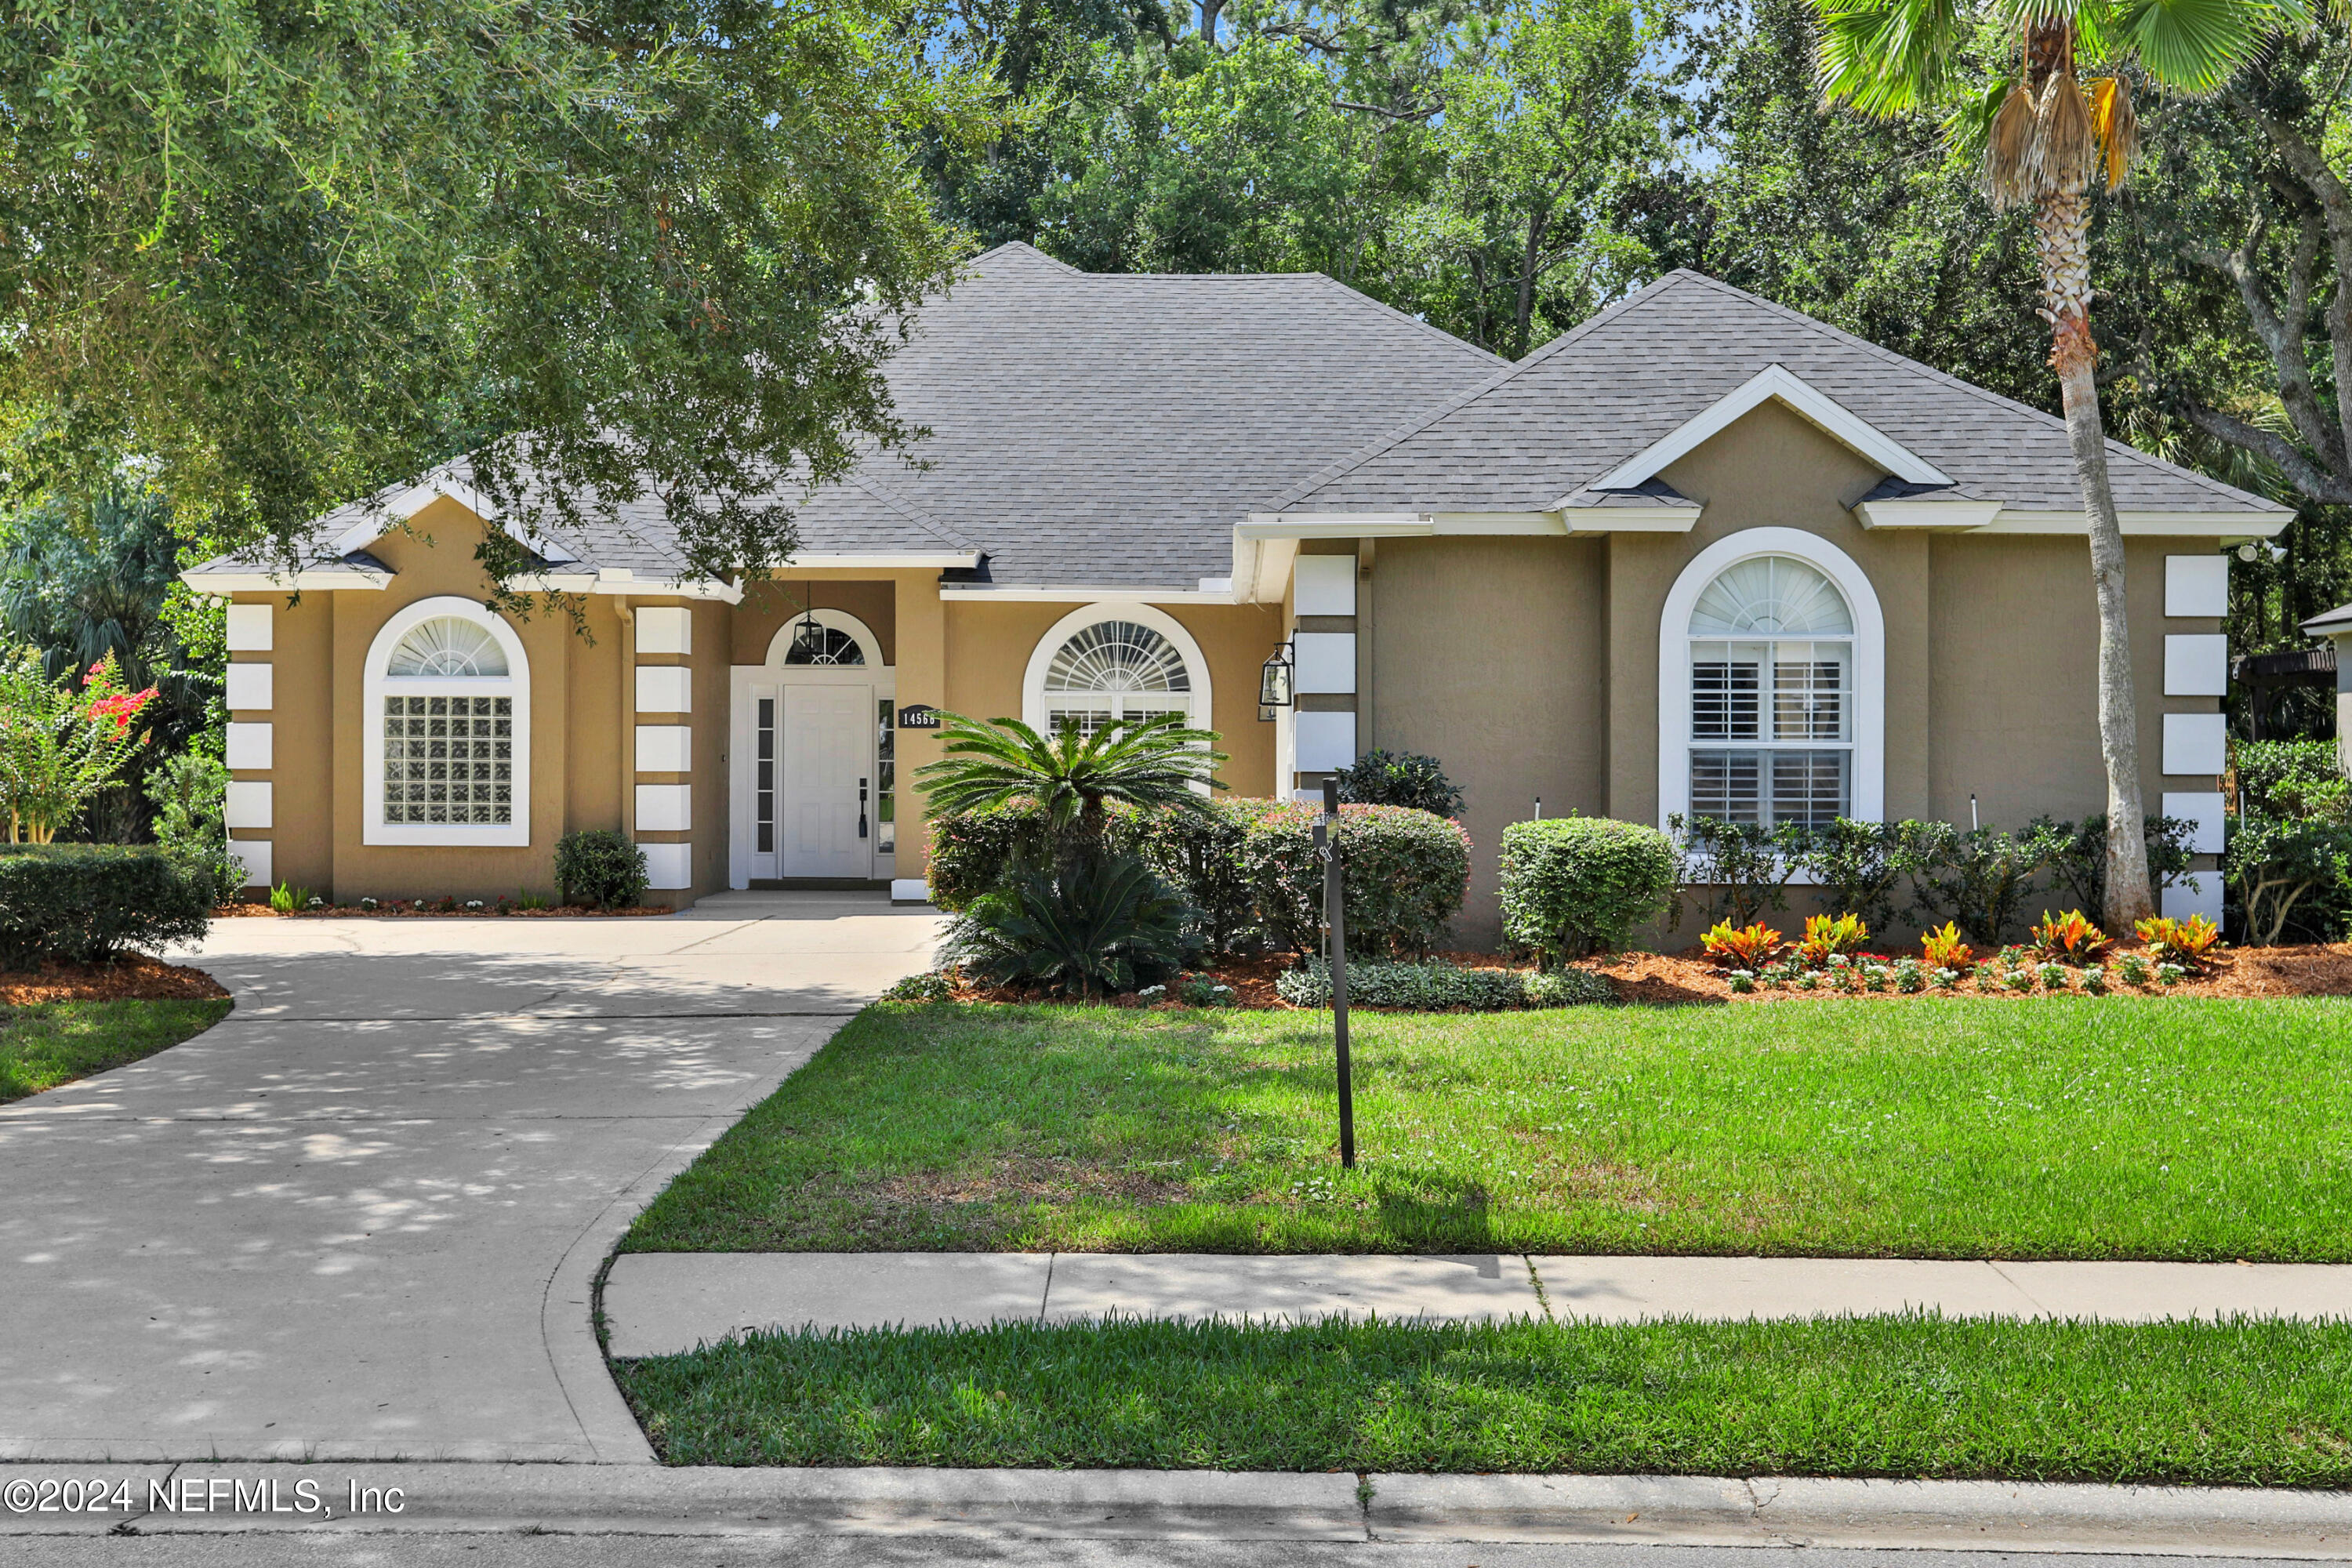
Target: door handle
861, 808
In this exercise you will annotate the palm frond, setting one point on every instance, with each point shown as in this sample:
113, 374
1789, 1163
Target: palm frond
2064, 149
2197, 45
2115, 125
2008, 130
1889, 57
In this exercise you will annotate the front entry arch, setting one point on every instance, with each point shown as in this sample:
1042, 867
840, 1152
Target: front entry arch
812, 771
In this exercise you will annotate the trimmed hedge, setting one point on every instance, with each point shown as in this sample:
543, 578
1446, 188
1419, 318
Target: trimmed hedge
1405, 874
973, 852
81, 904
600, 868
1574, 885
1435, 984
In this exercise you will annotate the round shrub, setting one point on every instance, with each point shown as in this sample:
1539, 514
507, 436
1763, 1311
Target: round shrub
1400, 778
973, 852
81, 903
1574, 885
600, 868
1404, 874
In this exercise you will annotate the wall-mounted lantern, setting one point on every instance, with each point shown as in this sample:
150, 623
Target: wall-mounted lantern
1274, 684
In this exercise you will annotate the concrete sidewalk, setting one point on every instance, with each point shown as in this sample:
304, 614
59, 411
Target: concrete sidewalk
659, 1303
1172, 1506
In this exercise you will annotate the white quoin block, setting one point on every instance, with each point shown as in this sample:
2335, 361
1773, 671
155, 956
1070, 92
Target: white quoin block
664, 628
249, 746
2203, 807
665, 808
1327, 741
249, 628
665, 689
2181, 900
664, 748
668, 866
2196, 744
1326, 585
1327, 662
251, 687
2196, 585
247, 805
2196, 665
253, 853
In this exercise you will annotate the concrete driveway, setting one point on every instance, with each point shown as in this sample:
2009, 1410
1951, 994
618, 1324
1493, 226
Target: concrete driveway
359, 1220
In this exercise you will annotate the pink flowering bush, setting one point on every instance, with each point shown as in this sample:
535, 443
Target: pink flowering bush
62, 741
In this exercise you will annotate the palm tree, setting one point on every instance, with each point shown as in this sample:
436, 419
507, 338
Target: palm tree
2049, 138
1154, 763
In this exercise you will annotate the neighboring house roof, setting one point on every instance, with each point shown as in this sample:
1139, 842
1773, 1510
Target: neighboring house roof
1545, 435
2336, 623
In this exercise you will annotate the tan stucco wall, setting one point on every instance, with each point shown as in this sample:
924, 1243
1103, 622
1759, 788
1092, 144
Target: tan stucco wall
767, 606
1444, 682
301, 718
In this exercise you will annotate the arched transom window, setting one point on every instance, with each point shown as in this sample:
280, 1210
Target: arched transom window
816, 644
448, 761
1771, 696
1113, 671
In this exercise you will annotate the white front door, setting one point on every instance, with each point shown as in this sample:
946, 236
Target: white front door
825, 819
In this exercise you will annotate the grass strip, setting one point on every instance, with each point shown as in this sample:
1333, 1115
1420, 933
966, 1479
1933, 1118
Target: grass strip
2258, 1402
2061, 1127
45, 1044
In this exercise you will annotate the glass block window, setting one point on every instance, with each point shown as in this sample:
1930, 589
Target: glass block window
1771, 672
448, 760
1113, 672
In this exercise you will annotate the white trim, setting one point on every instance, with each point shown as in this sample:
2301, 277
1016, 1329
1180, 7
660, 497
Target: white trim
1590, 520
1773, 382
253, 857
2196, 664
2223, 525
308, 579
744, 683
1913, 511
1324, 586
1869, 775
251, 687
1084, 593
515, 684
1334, 525
2196, 585
669, 867
1200, 705
943, 559
251, 627
407, 503
248, 745
868, 644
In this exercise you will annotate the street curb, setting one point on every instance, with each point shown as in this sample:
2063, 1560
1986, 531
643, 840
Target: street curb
1191, 1505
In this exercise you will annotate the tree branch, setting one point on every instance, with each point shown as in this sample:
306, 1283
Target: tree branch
2310, 480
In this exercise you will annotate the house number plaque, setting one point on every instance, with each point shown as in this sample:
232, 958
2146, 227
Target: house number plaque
918, 716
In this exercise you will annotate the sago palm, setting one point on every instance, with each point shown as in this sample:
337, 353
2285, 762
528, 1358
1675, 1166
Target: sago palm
2050, 139
1154, 763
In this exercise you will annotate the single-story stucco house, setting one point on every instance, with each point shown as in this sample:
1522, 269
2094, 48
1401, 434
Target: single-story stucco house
1700, 555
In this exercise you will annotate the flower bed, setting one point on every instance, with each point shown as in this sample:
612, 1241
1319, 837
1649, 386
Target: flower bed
407, 909
133, 977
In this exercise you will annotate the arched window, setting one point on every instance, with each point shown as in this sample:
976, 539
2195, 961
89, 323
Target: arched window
448, 750
1773, 680
1115, 665
816, 644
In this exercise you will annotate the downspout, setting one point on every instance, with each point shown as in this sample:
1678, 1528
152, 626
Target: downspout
625, 746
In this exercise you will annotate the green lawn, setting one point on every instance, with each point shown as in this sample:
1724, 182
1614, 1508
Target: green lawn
2262, 1403
49, 1043
2066, 1126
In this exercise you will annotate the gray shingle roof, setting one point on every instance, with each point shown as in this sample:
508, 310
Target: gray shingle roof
1111, 428
1584, 403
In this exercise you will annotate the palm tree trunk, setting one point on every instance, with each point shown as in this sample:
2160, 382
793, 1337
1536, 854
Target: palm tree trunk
2062, 230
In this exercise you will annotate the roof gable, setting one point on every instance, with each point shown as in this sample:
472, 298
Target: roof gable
1774, 383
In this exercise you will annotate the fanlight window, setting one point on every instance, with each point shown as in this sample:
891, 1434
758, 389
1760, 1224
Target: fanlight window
449, 728
816, 644
447, 646
1772, 662
1112, 672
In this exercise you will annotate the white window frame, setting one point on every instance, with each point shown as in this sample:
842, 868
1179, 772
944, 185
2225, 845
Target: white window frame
377, 685
1199, 705
858, 632
1867, 775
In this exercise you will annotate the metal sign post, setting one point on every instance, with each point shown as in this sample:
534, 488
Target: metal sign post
1335, 921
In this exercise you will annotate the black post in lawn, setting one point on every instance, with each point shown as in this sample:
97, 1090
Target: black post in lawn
1335, 921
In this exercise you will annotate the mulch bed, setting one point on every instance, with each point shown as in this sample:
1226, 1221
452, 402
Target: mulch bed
134, 977
1661, 979
390, 911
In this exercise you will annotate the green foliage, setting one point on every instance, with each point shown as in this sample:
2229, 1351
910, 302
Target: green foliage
2289, 872
1072, 777
1106, 925
1736, 871
62, 741
1574, 885
189, 793
1400, 778
290, 252
600, 868
2292, 778
2076, 856
1857, 866
81, 904
1436, 986
1200, 854
1402, 875
1978, 878
978, 850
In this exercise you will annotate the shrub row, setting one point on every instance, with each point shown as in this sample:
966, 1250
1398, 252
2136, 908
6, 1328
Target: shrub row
81, 904
1248, 867
1434, 985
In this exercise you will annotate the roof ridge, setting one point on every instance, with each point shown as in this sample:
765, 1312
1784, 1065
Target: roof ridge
1358, 296
1021, 250
1983, 393
1414, 425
